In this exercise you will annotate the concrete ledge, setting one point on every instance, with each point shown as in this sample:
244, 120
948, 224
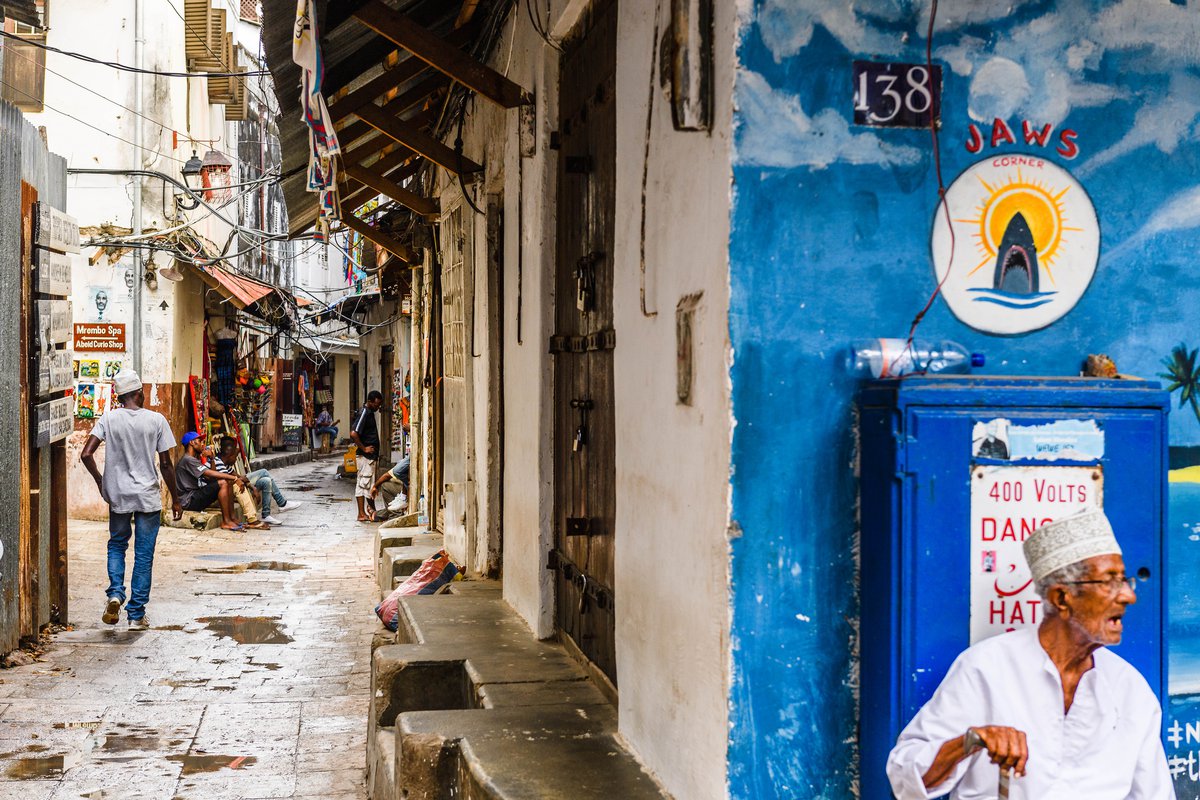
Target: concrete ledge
479, 708
287, 459
404, 537
381, 765
192, 520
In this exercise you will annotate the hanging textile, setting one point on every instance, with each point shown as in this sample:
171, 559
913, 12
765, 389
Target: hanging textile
226, 369
322, 139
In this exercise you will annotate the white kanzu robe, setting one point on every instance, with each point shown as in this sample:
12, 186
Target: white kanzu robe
1107, 748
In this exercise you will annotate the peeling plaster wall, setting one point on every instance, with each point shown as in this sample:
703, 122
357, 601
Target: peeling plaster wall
831, 231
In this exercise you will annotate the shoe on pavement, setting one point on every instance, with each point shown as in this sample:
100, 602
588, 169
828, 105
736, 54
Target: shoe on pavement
112, 611
260, 525
140, 624
291, 504
272, 520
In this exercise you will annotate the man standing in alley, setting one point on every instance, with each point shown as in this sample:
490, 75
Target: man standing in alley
365, 435
133, 437
1046, 712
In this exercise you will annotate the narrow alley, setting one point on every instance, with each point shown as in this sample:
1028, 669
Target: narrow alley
252, 681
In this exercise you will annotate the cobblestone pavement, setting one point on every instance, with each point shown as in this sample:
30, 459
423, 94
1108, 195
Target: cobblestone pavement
252, 682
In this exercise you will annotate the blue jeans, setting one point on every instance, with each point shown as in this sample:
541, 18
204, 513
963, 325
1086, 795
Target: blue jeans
143, 526
262, 480
330, 429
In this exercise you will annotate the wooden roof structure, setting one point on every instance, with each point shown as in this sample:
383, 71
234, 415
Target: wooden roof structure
390, 68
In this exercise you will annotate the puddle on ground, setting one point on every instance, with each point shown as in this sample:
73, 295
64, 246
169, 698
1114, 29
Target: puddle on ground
248, 630
166, 628
181, 683
30, 769
303, 488
124, 744
266, 665
195, 764
233, 569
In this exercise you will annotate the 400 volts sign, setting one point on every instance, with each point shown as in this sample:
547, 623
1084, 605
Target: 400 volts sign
1008, 503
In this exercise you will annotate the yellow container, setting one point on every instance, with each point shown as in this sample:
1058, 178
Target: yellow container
349, 465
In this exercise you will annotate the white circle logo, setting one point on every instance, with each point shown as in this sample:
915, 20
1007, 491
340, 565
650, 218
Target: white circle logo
1025, 244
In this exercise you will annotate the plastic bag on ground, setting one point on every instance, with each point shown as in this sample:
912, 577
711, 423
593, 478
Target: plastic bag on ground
434, 573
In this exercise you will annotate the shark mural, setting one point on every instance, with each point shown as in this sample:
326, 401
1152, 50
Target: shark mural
1067, 149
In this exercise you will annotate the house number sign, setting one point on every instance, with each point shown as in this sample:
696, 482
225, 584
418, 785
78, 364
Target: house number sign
889, 95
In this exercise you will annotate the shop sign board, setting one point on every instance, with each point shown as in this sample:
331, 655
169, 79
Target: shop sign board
100, 337
55, 371
1007, 504
53, 272
293, 428
54, 323
55, 230
55, 420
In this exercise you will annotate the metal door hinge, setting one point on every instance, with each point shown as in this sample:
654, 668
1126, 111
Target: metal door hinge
600, 340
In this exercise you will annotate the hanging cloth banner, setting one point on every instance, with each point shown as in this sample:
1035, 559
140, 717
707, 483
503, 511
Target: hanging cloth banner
323, 142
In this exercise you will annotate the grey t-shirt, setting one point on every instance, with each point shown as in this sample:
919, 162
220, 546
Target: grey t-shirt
189, 476
132, 438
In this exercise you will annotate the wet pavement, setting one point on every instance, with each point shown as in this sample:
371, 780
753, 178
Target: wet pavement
252, 681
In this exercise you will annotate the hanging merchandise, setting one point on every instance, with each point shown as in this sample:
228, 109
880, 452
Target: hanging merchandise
323, 143
306, 398
252, 395
226, 369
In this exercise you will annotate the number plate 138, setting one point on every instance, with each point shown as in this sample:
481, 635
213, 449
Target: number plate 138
888, 95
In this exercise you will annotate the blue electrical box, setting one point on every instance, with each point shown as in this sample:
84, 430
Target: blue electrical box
955, 472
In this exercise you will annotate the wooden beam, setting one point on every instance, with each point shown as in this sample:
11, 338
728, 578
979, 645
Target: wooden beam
409, 199
441, 56
356, 193
401, 73
411, 136
380, 238
395, 107
421, 119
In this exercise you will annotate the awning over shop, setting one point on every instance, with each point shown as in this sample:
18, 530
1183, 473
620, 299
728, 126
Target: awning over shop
237, 289
328, 345
344, 307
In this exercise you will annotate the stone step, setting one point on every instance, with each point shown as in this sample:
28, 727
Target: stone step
381, 766
192, 520
400, 562
404, 537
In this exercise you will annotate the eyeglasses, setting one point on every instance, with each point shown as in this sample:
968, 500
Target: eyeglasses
1114, 584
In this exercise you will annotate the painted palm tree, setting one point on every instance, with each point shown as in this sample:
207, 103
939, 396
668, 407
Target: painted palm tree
1183, 375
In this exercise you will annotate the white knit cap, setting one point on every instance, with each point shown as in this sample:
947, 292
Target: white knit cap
126, 381
1085, 534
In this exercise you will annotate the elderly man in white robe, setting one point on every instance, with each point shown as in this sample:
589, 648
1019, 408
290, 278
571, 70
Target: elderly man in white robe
1046, 713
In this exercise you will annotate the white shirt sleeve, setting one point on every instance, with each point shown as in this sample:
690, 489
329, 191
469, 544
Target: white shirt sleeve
166, 439
954, 707
100, 429
1151, 777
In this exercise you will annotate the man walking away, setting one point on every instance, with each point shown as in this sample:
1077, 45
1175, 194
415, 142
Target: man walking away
199, 485
130, 485
365, 435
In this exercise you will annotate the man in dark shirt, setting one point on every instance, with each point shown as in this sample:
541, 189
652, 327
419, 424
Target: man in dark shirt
199, 485
365, 435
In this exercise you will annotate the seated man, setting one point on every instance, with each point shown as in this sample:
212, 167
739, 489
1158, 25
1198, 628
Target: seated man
394, 482
199, 486
1051, 705
261, 482
241, 492
325, 423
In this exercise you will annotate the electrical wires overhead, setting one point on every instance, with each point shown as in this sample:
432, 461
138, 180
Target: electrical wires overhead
126, 67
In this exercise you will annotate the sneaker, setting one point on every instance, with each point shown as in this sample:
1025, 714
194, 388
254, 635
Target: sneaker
272, 520
139, 624
291, 504
112, 611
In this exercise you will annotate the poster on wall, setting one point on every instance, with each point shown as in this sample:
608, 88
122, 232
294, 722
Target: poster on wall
1015, 244
1007, 504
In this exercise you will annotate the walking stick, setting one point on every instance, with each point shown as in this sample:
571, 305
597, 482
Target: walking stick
1002, 793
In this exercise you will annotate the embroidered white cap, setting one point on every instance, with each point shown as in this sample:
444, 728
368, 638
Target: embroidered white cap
126, 381
1085, 534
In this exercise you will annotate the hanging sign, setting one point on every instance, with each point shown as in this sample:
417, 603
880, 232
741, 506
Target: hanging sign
1007, 504
53, 272
100, 337
55, 420
56, 371
293, 427
54, 323
55, 230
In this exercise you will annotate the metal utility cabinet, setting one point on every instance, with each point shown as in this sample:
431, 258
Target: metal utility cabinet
955, 472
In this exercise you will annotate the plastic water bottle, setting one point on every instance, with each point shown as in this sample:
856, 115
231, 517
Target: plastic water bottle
891, 358
422, 517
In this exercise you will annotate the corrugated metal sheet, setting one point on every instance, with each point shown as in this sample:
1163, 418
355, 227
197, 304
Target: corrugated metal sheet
23, 157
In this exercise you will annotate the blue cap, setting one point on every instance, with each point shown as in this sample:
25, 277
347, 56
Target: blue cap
977, 359
190, 437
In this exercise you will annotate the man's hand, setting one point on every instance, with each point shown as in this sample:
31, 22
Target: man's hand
374, 492
369, 449
176, 510
1006, 747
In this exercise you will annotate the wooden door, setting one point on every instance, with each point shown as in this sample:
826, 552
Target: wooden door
584, 435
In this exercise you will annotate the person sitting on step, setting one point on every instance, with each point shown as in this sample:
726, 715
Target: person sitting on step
264, 486
199, 485
241, 491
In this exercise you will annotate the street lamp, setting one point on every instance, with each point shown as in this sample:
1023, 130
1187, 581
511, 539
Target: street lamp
193, 179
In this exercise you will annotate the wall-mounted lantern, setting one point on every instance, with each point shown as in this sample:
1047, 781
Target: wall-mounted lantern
214, 175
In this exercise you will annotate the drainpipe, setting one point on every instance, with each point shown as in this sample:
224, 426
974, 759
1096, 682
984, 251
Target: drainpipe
139, 40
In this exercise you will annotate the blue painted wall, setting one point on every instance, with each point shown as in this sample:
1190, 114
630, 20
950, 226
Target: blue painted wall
830, 242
